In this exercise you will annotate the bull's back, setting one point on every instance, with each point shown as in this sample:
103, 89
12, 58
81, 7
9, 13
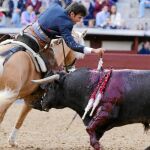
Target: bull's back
135, 107
80, 79
132, 88
79, 84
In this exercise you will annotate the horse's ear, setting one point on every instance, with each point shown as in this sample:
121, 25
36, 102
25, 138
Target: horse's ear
84, 33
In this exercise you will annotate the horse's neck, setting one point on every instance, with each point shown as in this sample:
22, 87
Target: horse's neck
60, 50
63, 54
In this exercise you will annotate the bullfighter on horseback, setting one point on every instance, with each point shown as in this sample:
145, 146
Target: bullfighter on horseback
57, 21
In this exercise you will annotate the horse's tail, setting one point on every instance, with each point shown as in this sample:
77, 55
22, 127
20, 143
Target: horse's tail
6, 95
2, 59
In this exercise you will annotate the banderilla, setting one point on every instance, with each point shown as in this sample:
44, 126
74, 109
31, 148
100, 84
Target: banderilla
74, 117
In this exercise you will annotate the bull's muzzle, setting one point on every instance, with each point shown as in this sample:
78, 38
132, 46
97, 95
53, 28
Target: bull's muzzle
36, 105
45, 106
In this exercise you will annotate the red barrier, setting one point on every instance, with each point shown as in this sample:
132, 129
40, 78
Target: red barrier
117, 61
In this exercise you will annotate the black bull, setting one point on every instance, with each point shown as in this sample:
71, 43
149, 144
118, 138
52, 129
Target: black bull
130, 89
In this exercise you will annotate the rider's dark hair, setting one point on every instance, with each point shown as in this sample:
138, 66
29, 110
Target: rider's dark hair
76, 8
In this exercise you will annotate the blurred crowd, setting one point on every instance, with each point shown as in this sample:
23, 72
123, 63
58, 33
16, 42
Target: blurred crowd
101, 13
145, 49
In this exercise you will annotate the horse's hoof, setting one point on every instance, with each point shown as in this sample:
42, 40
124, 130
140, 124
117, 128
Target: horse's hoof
12, 143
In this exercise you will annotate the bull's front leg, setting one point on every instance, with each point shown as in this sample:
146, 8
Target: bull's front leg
101, 117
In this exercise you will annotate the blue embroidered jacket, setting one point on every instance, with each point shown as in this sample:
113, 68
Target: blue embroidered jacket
56, 18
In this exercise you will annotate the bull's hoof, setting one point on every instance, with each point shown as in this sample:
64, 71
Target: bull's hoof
97, 146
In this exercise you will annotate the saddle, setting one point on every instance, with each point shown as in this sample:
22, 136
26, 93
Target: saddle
55, 52
39, 46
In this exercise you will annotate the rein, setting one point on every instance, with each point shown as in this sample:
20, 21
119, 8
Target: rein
66, 67
3, 37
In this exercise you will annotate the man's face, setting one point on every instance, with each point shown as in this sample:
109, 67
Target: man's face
75, 18
147, 45
105, 8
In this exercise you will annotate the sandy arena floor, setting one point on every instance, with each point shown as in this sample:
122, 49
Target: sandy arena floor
47, 131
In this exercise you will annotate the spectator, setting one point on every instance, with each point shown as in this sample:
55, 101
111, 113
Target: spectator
28, 16
145, 48
18, 8
15, 20
99, 5
5, 5
140, 26
115, 20
46, 3
21, 5
68, 2
143, 4
89, 19
102, 17
64, 3
36, 4
11, 8
1, 3
2, 17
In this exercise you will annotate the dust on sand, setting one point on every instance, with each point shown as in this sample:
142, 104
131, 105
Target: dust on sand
47, 131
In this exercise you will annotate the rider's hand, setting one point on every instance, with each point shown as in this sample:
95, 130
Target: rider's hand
99, 51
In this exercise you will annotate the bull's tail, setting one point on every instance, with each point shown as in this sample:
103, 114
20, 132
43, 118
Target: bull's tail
2, 59
146, 126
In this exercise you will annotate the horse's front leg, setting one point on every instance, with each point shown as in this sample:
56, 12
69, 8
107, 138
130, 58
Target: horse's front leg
13, 135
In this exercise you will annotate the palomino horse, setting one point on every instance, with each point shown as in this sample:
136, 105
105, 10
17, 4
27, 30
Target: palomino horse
16, 74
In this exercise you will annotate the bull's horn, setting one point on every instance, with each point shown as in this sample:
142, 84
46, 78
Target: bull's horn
84, 33
47, 79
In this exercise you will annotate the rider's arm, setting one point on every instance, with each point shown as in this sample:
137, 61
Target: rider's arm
65, 31
66, 34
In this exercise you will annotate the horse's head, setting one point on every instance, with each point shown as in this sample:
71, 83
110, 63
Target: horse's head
69, 53
79, 38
